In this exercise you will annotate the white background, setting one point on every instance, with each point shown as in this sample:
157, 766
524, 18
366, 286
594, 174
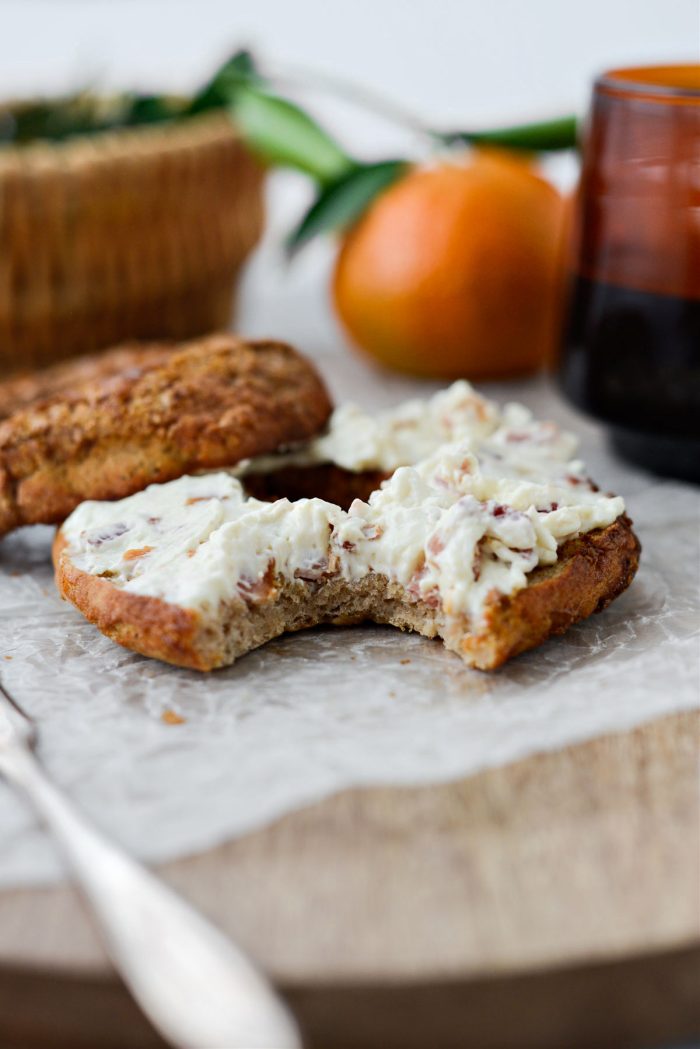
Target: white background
456, 61
452, 62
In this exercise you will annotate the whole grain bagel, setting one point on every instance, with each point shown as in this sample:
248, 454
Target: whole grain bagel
106, 426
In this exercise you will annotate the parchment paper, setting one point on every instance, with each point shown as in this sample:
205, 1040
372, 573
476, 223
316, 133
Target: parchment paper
328, 709
316, 712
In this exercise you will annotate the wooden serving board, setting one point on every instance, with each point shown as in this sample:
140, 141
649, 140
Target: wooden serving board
554, 902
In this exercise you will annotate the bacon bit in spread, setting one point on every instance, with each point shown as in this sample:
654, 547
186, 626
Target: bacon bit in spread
191, 552
413, 589
254, 591
374, 531
257, 591
199, 499
105, 535
169, 717
435, 545
515, 437
432, 598
500, 511
477, 561
154, 520
312, 572
132, 555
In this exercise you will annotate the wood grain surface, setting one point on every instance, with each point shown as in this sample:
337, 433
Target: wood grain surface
554, 902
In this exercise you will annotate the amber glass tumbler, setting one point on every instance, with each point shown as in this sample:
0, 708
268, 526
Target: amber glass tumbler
631, 353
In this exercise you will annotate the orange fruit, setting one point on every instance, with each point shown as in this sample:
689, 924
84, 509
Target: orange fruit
452, 271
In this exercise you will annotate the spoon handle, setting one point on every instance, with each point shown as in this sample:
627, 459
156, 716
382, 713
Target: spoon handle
196, 987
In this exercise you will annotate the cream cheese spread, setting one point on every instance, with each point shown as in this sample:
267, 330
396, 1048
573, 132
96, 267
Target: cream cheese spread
508, 438
473, 516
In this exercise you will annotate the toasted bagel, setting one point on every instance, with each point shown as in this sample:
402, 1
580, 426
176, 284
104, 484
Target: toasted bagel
105, 427
589, 573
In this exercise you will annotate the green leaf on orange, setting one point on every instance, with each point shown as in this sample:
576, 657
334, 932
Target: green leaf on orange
284, 135
542, 137
342, 202
221, 89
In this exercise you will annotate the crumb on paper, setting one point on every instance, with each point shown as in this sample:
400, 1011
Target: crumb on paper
7, 657
171, 717
403, 662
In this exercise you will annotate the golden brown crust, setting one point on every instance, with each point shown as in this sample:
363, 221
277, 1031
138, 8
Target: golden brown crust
143, 624
21, 390
206, 405
590, 572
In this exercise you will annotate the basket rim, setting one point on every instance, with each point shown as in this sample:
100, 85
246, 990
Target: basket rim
116, 143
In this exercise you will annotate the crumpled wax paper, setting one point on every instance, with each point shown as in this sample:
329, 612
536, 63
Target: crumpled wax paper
320, 711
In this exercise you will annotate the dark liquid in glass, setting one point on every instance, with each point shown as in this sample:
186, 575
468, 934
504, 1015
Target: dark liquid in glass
632, 358
631, 351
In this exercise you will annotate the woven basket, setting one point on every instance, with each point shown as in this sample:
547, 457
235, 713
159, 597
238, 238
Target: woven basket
137, 233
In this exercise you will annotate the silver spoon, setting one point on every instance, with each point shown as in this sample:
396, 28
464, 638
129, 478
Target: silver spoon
197, 988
